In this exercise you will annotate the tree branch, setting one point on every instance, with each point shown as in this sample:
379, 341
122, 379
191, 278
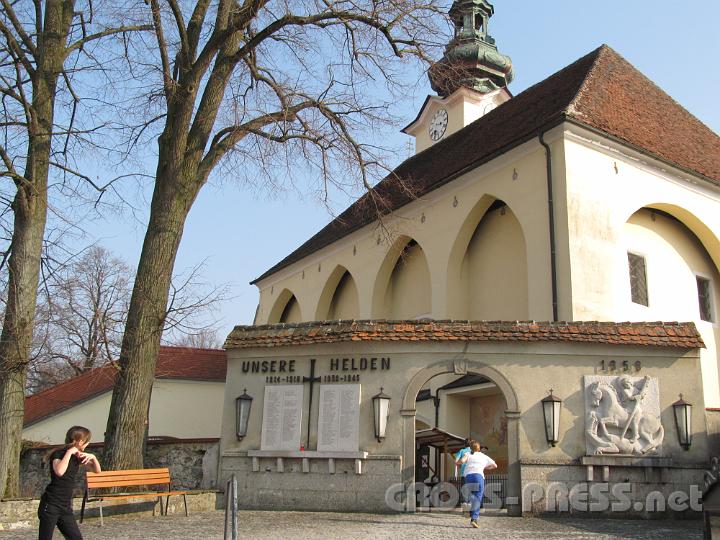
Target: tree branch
19, 27
107, 32
168, 83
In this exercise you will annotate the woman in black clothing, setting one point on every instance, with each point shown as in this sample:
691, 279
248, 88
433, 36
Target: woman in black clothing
56, 503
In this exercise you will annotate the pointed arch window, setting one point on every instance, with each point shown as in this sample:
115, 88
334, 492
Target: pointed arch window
638, 279
704, 298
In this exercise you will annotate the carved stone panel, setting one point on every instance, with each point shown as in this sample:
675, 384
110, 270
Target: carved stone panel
622, 415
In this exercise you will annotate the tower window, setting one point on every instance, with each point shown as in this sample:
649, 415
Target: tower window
478, 22
704, 298
638, 279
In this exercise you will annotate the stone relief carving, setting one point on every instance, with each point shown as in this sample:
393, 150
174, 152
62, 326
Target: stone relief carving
711, 477
622, 415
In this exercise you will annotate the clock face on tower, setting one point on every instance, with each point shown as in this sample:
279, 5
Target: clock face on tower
438, 124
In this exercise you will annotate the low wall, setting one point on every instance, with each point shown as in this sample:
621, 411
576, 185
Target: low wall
612, 491
192, 464
19, 514
344, 490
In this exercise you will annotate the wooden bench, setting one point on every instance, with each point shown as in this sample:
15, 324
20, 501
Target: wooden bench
130, 478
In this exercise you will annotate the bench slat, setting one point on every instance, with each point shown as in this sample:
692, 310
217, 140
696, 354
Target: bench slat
91, 474
129, 477
136, 495
130, 482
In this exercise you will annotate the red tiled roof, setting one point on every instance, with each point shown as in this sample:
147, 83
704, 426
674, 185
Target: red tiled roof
173, 363
657, 334
601, 91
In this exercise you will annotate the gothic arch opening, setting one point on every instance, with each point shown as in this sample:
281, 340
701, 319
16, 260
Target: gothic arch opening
403, 286
286, 309
339, 299
665, 270
488, 271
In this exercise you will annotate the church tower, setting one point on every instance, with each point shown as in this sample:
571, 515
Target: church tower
471, 78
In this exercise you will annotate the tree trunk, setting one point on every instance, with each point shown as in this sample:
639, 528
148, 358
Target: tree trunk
129, 409
30, 213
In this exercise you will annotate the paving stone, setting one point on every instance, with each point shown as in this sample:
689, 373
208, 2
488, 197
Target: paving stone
420, 526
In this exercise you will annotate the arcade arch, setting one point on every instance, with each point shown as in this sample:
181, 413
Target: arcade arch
487, 267
402, 286
676, 259
286, 309
339, 299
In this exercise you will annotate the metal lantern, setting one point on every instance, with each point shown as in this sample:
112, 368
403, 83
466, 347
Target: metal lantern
242, 414
683, 421
551, 412
381, 410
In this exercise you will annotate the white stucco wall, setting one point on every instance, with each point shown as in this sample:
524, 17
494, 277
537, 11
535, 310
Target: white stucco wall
92, 414
598, 185
606, 187
178, 408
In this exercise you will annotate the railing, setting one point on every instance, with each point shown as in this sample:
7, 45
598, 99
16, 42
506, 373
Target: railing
231, 508
495, 489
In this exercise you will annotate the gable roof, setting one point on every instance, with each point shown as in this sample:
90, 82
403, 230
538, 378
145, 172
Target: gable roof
600, 91
172, 363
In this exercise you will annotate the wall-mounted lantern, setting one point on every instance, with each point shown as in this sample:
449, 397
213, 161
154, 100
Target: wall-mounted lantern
683, 421
242, 414
381, 410
551, 412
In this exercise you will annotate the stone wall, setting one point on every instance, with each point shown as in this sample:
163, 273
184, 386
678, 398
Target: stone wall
713, 429
192, 464
318, 489
632, 492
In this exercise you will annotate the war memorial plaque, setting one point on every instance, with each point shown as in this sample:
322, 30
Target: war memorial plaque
339, 417
282, 417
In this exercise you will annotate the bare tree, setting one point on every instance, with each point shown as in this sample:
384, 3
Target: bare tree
83, 307
269, 83
42, 43
80, 318
203, 339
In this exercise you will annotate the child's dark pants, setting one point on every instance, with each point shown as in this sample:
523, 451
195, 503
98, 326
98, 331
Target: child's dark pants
51, 515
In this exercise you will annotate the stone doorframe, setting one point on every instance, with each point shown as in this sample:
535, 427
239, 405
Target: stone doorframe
407, 412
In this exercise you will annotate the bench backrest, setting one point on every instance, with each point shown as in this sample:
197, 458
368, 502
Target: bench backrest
132, 477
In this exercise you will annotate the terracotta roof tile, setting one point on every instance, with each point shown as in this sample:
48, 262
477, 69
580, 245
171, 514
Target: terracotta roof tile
668, 334
601, 91
173, 363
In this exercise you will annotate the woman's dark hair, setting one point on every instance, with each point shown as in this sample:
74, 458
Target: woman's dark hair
74, 435
77, 434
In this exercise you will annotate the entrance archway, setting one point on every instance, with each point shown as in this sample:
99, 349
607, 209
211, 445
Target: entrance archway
408, 413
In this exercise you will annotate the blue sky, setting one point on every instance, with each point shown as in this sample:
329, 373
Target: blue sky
240, 234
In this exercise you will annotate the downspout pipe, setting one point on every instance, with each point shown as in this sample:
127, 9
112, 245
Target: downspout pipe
551, 219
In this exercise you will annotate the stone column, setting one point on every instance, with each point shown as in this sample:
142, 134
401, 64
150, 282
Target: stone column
514, 491
408, 464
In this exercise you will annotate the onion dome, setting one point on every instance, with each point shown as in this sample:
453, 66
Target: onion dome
471, 58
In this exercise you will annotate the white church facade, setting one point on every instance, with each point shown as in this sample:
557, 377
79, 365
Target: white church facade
566, 238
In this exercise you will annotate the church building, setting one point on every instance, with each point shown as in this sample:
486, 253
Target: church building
542, 276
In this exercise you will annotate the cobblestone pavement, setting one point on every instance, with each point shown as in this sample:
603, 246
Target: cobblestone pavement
310, 525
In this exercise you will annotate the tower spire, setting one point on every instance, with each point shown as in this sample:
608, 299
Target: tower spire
471, 58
